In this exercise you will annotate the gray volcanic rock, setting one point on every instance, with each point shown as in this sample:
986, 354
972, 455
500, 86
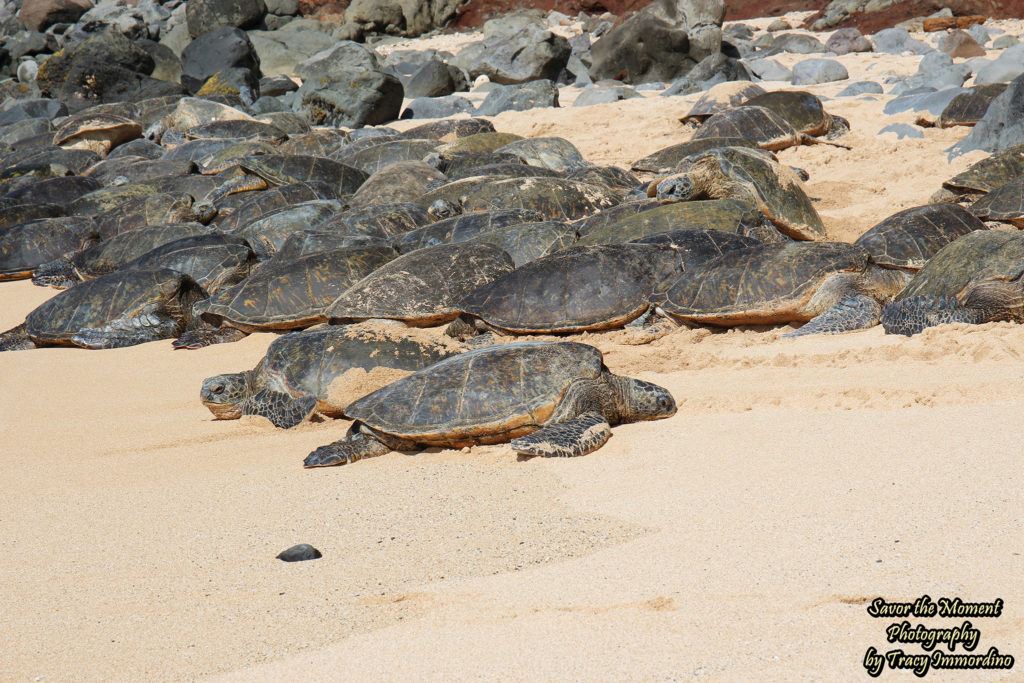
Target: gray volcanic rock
797, 43
401, 17
344, 56
350, 98
204, 16
897, 40
1001, 127
526, 55
847, 40
603, 95
539, 93
661, 42
936, 71
960, 44
223, 48
281, 51
923, 100
769, 70
435, 79
861, 88
437, 107
1006, 67
813, 71
38, 15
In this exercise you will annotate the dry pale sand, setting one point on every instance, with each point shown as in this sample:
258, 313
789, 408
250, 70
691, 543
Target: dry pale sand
742, 539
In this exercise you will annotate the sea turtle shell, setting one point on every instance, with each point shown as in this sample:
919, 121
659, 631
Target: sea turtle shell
303, 242
477, 143
403, 181
213, 260
967, 108
722, 96
112, 253
668, 158
375, 157
487, 395
527, 242
249, 130
424, 286
799, 108
291, 294
267, 233
761, 285
26, 246
1005, 204
553, 198
758, 124
61, 191
272, 199
15, 213
909, 238
448, 130
105, 299
744, 174
576, 289
99, 133
321, 142
697, 247
152, 209
989, 173
975, 257
556, 154
730, 215
376, 221
461, 228
281, 169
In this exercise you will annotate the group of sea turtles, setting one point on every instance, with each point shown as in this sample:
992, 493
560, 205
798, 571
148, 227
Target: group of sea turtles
190, 219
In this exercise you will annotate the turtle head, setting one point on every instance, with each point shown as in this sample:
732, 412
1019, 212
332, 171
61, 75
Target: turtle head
645, 401
677, 188
444, 208
204, 211
224, 394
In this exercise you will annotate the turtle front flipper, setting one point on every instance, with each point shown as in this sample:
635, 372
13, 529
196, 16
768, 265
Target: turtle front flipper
355, 446
578, 436
197, 339
128, 331
852, 313
284, 410
913, 314
16, 339
244, 183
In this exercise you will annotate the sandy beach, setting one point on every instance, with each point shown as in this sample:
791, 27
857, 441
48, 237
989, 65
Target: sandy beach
742, 539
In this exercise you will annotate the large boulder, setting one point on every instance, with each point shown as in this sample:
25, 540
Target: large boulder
223, 48
540, 93
281, 51
435, 79
354, 98
402, 17
204, 16
37, 15
527, 54
1001, 127
659, 43
344, 56
847, 40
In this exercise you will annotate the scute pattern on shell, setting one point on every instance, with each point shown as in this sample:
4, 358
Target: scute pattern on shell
485, 395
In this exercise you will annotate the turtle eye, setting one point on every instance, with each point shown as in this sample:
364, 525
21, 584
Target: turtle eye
219, 389
664, 403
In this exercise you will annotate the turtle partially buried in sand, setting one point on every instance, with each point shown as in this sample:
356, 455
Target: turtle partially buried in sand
547, 398
306, 371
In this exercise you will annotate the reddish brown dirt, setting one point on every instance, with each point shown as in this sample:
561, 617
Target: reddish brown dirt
870, 22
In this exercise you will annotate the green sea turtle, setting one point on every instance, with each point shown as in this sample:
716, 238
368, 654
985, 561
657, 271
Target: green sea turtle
557, 154
834, 285
112, 311
967, 108
574, 290
975, 279
983, 176
547, 398
26, 247
802, 110
448, 130
99, 133
462, 227
422, 288
272, 199
373, 158
745, 174
1004, 204
268, 233
528, 242
909, 238
110, 254
554, 198
720, 97
282, 295
667, 158
305, 371
213, 260
267, 170
759, 124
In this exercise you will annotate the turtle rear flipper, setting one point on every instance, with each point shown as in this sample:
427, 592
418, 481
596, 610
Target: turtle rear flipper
128, 331
197, 339
16, 339
355, 446
284, 410
913, 314
578, 436
852, 313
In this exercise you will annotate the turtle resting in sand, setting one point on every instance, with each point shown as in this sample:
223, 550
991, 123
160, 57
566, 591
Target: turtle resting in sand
300, 371
834, 285
547, 398
976, 279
